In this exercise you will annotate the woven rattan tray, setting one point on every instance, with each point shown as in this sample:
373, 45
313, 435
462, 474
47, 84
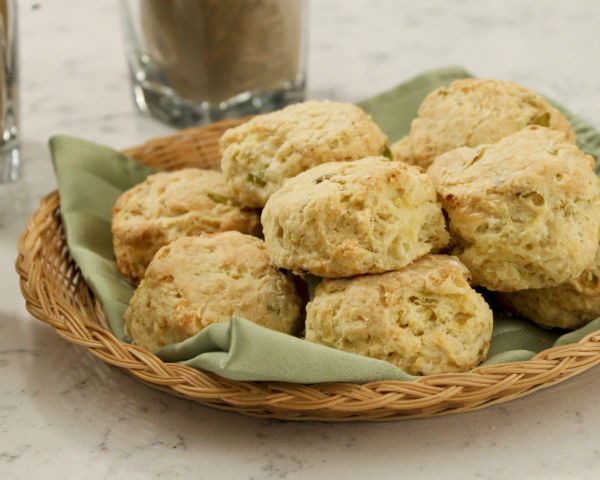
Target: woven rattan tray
55, 293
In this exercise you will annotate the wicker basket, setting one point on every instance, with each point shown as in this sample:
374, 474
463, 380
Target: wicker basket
56, 294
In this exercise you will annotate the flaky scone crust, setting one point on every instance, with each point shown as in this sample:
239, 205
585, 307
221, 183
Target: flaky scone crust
169, 205
259, 155
196, 281
423, 318
350, 218
570, 305
473, 112
524, 212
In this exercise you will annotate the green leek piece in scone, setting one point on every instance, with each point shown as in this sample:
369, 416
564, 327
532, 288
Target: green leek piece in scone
423, 318
196, 281
169, 205
571, 305
350, 218
259, 155
473, 112
524, 212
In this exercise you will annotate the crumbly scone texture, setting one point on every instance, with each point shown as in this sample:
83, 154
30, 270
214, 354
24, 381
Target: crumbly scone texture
169, 205
423, 318
350, 218
196, 281
571, 305
402, 150
472, 112
259, 155
524, 212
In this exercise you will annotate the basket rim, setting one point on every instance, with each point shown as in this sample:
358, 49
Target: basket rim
427, 396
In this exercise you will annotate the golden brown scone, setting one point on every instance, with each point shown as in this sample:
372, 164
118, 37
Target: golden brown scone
571, 305
259, 155
170, 205
473, 112
424, 318
524, 212
196, 281
402, 150
349, 218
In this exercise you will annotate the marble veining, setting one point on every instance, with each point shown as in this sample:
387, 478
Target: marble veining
65, 414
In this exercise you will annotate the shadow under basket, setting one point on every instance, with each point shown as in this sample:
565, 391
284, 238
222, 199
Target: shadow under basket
56, 293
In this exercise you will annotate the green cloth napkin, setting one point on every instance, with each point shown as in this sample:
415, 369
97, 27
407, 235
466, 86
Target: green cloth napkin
90, 178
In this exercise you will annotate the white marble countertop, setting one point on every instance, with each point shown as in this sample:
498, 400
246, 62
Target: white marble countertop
65, 414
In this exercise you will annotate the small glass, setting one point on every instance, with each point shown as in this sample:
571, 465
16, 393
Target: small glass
197, 61
9, 152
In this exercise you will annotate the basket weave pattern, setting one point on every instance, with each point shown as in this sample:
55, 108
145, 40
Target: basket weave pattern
55, 293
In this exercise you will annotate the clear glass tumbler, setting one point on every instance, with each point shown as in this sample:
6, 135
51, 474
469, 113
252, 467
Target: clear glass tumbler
9, 152
196, 61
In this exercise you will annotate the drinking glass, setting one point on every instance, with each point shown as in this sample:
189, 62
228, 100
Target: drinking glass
196, 61
9, 152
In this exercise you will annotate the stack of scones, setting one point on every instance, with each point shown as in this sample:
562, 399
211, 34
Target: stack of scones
488, 190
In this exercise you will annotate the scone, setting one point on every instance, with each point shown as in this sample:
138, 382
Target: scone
170, 205
350, 218
197, 281
402, 150
571, 305
524, 212
259, 155
472, 112
424, 318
